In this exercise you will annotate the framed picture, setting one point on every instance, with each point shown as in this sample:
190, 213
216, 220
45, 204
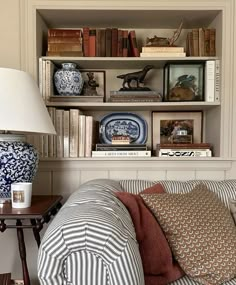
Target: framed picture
166, 126
94, 78
184, 81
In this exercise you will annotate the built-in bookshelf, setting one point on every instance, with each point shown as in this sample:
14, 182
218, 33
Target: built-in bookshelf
152, 19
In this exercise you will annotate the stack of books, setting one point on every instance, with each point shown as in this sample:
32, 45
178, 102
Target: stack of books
121, 150
184, 150
65, 42
152, 51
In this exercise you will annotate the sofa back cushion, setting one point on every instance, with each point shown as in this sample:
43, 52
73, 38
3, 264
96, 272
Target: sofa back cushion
200, 231
158, 264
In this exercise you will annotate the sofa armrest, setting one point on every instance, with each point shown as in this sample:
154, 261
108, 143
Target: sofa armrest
92, 221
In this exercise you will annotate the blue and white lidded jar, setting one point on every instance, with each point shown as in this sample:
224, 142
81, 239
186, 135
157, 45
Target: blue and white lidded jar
68, 80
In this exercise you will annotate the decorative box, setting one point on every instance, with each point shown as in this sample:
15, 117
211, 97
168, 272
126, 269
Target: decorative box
184, 81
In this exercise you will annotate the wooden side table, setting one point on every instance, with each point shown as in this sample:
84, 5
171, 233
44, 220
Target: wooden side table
41, 210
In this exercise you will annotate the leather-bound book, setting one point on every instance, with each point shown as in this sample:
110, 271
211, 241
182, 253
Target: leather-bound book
119, 43
92, 42
64, 33
108, 41
86, 41
125, 43
133, 44
114, 41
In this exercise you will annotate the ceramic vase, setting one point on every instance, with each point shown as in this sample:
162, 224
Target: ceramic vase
68, 80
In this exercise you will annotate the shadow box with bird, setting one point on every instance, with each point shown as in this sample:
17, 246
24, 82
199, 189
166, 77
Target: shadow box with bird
184, 81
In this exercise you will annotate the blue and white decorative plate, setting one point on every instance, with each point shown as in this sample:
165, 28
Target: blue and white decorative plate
127, 124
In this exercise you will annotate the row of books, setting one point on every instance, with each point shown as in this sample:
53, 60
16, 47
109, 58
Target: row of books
109, 42
75, 137
201, 42
184, 150
92, 42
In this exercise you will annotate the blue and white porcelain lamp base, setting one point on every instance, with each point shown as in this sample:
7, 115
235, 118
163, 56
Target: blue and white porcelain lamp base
18, 163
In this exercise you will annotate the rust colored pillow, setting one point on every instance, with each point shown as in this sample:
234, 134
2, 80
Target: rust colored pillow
158, 264
200, 231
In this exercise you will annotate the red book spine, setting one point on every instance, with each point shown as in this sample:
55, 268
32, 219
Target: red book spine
86, 41
92, 42
114, 41
133, 44
119, 43
125, 43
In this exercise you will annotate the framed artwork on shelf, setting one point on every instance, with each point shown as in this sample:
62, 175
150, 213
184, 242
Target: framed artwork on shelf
94, 82
176, 127
184, 81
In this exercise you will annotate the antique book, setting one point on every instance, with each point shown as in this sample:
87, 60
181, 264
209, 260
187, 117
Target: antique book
65, 40
195, 42
108, 41
65, 46
92, 42
119, 43
64, 32
201, 42
114, 41
86, 41
125, 43
207, 42
49, 83
212, 42
133, 44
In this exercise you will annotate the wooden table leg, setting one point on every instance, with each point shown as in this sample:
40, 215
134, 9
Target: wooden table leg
36, 229
22, 250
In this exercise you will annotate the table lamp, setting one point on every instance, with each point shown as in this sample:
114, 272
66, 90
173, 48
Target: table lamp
22, 112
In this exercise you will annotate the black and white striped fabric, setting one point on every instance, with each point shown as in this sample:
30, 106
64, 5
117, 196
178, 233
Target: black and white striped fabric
92, 239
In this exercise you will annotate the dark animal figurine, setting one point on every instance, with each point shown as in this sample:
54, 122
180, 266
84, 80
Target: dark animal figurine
137, 76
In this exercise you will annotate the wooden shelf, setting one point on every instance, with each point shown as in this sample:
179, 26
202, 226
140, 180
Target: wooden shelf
140, 106
123, 62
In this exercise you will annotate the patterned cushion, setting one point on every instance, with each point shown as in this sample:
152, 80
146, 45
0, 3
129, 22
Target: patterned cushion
200, 231
232, 205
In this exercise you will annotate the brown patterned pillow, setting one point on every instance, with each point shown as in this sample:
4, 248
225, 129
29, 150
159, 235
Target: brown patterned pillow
232, 205
200, 231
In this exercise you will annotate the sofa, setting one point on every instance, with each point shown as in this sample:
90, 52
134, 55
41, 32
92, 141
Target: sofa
93, 240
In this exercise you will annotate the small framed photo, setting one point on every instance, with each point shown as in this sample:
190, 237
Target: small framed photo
172, 127
94, 78
184, 81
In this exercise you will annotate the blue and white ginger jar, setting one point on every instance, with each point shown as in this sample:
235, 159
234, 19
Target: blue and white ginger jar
68, 80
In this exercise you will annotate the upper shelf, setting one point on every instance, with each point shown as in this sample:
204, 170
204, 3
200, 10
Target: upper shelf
123, 62
137, 16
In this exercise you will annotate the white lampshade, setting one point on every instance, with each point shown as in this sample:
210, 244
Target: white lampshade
21, 105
